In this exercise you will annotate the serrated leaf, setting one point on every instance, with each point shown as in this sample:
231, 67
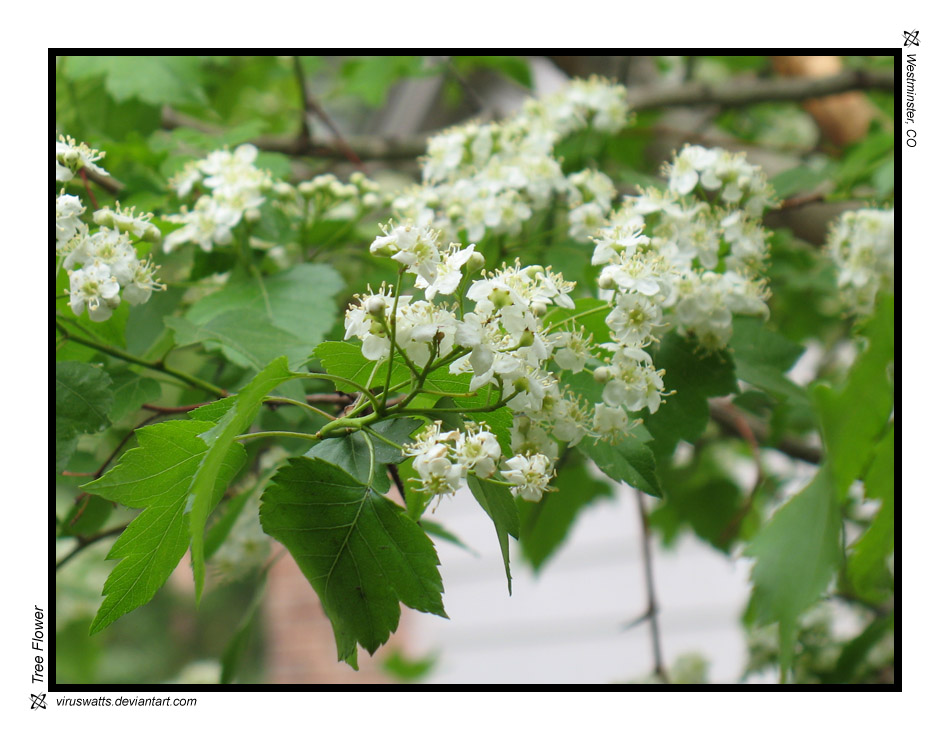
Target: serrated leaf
629, 461
83, 400
360, 551
546, 524
248, 340
131, 390
499, 504
350, 453
347, 361
854, 416
158, 80
219, 439
695, 377
299, 301
797, 552
155, 476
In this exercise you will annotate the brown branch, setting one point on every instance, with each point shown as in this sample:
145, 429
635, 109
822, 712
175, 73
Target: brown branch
311, 105
652, 611
106, 182
725, 415
84, 542
727, 94
735, 93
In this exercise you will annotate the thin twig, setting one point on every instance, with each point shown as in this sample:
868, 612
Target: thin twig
84, 542
726, 420
652, 611
312, 105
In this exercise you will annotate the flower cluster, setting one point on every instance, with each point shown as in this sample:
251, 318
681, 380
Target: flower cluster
443, 460
493, 177
103, 265
861, 244
325, 197
237, 190
670, 251
729, 174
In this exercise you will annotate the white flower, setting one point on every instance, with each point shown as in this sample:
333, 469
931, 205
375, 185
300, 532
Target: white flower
531, 475
861, 245
573, 350
448, 272
125, 220
95, 288
444, 459
634, 318
633, 381
478, 450
610, 423
416, 248
687, 165
68, 210
71, 157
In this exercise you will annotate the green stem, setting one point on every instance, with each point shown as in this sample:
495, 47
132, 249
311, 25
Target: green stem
301, 404
380, 437
588, 312
372, 458
158, 366
392, 337
259, 435
340, 379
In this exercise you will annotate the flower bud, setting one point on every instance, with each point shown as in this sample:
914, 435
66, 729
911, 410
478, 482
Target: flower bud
252, 215
284, 190
521, 385
376, 305
104, 217
152, 233
538, 308
476, 261
606, 282
307, 189
527, 339
602, 374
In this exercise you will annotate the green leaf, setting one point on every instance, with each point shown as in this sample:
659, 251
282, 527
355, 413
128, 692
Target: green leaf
299, 301
856, 651
371, 77
867, 565
83, 401
499, 504
350, 453
546, 524
155, 476
854, 417
629, 461
347, 361
408, 670
695, 377
763, 356
360, 551
799, 180
219, 440
247, 339
131, 390
158, 80
797, 552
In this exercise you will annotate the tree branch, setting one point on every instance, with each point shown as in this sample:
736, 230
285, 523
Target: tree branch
312, 105
732, 93
84, 542
652, 611
724, 414
725, 94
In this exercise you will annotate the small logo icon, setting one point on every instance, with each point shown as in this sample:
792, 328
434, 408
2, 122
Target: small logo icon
910, 37
39, 701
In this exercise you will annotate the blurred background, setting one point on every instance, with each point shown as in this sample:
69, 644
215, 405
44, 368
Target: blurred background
576, 618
